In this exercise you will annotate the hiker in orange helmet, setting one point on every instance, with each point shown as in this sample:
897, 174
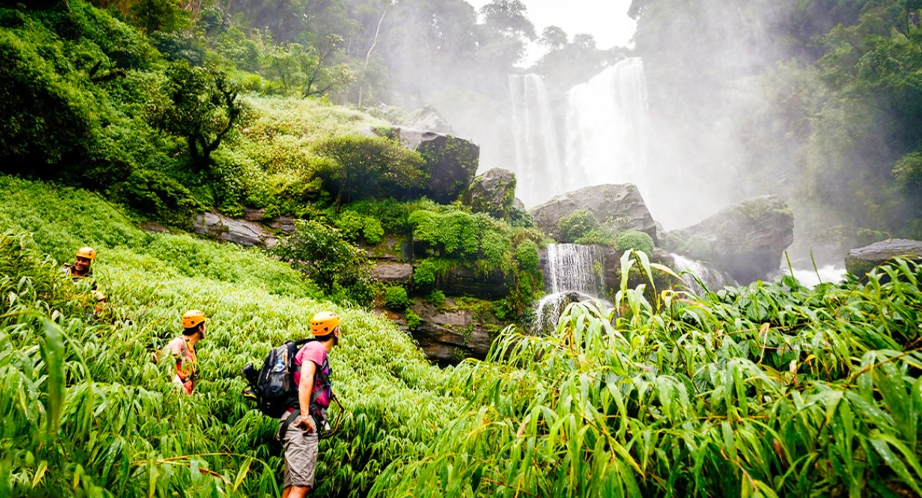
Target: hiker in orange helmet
299, 426
81, 273
183, 350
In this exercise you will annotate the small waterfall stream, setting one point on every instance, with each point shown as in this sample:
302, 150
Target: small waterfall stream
573, 273
712, 280
538, 167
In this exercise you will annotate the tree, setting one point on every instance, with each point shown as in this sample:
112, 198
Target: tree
199, 104
553, 38
363, 167
509, 18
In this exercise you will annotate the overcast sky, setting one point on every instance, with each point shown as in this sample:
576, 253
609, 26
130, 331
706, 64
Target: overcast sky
606, 20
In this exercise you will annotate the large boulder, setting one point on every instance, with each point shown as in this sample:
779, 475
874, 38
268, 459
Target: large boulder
746, 240
493, 193
450, 161
392, 272
861, 260
620, 207
245, 233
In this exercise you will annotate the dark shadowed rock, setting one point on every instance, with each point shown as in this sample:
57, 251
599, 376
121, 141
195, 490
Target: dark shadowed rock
461, 281
449, 336
493, 193
152, 226
254, 214
285, 224
861, 260
746, 240
620, 207
245, 233
393, 273
450, 161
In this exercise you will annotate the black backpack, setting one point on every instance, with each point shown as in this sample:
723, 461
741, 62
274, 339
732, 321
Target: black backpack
273, 387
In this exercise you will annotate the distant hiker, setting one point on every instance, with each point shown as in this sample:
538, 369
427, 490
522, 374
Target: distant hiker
183, 350
81, 273
298, 427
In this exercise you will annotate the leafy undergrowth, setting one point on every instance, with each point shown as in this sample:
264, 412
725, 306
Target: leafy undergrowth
771, 390
766, 390
86, 411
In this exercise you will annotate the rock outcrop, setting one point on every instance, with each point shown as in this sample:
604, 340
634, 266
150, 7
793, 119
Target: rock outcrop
245, 233
861, 260
449, 336
620, 207
493, 193
450, 161
393, 273
745, 240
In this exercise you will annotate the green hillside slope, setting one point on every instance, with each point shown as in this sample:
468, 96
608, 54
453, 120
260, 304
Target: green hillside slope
87, 413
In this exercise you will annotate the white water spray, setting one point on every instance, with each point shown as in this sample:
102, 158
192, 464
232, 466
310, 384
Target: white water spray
537, 156
711, 279
573, 273
607, 127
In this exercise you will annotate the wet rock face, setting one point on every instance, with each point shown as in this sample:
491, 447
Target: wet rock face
245, 233
493, 193
861, 260
449, 336
620, 207
393, 273
746, 240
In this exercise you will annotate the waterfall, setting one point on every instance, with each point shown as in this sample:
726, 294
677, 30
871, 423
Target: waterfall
607, 129
811, 278
572, 268
713, 280
573, 273
538, 167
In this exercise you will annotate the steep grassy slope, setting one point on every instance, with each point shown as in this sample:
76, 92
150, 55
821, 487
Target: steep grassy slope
86, 412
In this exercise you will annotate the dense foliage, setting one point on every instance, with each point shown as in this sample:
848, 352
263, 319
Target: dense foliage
85, 411
766, 390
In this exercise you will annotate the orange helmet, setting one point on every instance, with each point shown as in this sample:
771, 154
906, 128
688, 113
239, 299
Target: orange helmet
86, 252
192, 318
324, 323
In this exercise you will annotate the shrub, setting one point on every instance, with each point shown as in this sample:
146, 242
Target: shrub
413, 320
437, 298
577, 224
369, 167
395, 298
634, 239
425, 273
328, 259
526, 253
601, 236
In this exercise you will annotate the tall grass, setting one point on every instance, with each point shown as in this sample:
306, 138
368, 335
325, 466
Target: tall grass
766, 390
85, 410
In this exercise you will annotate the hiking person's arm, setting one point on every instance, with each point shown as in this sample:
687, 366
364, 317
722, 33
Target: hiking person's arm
305, 387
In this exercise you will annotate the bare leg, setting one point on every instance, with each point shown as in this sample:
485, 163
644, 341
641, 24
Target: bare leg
297, 492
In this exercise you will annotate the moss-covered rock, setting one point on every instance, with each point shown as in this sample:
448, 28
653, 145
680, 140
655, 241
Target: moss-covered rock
493, 193
746, 239
863, 259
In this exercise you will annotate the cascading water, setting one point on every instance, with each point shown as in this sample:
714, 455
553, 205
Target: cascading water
605, 138
712, 280
573, 273
607, 129
538, 167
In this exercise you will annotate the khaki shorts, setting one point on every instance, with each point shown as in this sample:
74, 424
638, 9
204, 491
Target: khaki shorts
300, 454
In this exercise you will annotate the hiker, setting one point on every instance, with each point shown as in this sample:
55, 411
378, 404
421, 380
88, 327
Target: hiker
183, 350
81, 273
298, 427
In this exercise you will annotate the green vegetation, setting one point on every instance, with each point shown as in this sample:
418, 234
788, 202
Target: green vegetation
86, 412
336, 266
766, 390
769, 389
636, 240
577, 224
395, 298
